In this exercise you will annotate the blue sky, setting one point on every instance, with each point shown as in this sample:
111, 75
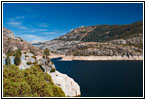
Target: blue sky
46, 21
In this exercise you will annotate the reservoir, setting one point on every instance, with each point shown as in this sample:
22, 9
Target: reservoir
105, 78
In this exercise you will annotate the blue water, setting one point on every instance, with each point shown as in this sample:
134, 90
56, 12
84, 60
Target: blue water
105, 78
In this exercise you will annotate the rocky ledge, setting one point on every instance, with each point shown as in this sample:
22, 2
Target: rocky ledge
67, 84
98, 58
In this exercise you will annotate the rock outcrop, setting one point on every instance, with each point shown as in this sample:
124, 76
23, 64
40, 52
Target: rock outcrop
12, 43
58, 46
67, 84
104, 49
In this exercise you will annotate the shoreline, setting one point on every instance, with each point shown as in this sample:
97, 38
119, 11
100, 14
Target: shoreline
96, 58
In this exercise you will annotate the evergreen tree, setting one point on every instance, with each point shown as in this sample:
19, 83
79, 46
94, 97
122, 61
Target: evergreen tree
17, 59
8, 61
19, 52
46, 52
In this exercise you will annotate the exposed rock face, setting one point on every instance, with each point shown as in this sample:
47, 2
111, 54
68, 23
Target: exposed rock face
67, 84
8, 33
118, 41
136, 40
12, 43
114, 40
104, 49
58, 46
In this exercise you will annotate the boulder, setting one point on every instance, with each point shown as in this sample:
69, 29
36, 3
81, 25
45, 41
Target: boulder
67, 84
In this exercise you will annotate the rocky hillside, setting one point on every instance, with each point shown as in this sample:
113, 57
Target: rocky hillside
12, 43
129, 36
104, 49
104, 33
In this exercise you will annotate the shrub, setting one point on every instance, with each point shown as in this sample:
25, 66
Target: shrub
34, 57
29, 63
14, 84
26, 56
35, 63
53, 70
8, 61
58, 91
37, 66
10, 53
28, 83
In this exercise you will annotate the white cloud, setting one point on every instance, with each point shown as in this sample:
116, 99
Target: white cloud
41, 30
17, 19
48, 32
42, 25
20, 17
30, 37
14, 23
22, 27
26, 9
17, 22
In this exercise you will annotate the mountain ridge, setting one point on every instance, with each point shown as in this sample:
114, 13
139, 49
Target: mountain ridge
120, 36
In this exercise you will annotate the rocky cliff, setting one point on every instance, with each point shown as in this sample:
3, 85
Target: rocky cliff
12, 43
67, 84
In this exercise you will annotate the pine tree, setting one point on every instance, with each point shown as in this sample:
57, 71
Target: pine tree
17, 59
19, 52
46, 52
8, 61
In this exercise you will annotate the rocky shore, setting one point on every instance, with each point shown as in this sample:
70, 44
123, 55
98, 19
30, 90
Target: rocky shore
67, 84
98, 58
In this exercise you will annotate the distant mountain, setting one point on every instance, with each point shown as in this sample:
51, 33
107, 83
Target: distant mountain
105, 33
36, 42
127, 35
12, 43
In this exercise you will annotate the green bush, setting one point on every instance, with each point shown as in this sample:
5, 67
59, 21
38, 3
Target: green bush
14, 84
29, 63
28, 83
34, 57
26, 56
53, 70
35, 63
10, 53
38, 67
